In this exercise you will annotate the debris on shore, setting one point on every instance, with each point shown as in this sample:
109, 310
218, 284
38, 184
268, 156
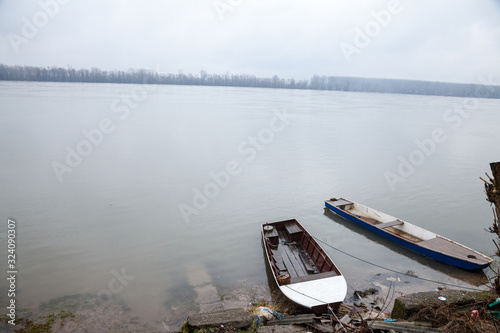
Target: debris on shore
436, 311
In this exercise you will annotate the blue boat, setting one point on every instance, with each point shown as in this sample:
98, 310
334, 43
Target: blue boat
412, 237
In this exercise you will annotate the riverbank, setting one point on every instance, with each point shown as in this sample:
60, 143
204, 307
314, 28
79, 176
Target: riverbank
81, 313
84, 313
435, 311
200, 292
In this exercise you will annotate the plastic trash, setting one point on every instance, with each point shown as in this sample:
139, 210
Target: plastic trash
275, 313
497, 313
264, 312
494, 303
389, 320
258, 321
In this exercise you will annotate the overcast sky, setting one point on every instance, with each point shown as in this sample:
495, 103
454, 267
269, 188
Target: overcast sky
437, 40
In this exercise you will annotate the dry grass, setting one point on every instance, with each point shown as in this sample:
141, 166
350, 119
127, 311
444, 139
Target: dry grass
459, 319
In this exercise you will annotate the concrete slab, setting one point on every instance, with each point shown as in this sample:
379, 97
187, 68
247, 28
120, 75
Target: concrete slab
237, 318
197, 275
206, 294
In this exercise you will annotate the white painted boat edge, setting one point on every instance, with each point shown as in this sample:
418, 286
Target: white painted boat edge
317, 292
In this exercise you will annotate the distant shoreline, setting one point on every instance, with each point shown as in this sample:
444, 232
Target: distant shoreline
486, 89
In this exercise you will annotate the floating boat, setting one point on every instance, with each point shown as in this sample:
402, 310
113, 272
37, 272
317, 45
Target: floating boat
409, 235
302, 270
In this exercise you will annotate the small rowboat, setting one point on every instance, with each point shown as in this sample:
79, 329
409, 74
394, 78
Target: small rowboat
303, 271
409, 235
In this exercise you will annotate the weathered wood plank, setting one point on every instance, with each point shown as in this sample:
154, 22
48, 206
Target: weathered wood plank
323, 327
293, 256
368, 220
292, 228
292, 268
451, 248
311, 277
307, 261
288, 264
401, 327
271, 233
297, 319
291, 252
340, 202
389, 224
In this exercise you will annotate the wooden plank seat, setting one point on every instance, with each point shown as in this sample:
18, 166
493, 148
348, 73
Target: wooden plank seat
340, 202
367, 219
292, 228
294, 231
389, 224
271, 233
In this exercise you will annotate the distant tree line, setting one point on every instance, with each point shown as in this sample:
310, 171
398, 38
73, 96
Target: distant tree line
337, 83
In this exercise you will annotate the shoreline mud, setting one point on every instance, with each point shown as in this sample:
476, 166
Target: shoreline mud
204, 296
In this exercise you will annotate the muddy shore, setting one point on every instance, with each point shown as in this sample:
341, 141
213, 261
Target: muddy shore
201, 294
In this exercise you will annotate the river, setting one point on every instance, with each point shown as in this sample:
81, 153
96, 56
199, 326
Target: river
130, 192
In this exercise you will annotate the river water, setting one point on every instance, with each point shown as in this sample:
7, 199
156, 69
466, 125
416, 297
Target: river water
131, 192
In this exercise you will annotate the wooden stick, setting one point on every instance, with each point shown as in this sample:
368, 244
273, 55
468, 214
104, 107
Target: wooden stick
485, 181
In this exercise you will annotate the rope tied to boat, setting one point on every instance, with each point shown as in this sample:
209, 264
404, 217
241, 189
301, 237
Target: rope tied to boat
393, 270
337, 319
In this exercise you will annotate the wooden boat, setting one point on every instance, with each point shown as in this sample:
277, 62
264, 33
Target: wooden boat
409, 235
302, 270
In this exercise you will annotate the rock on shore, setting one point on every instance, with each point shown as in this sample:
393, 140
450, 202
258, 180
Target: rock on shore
406, 306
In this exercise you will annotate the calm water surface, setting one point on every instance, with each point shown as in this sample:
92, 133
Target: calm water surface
107, 180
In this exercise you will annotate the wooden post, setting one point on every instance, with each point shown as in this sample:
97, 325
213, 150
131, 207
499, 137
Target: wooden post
495, 169
493, 190
493, 195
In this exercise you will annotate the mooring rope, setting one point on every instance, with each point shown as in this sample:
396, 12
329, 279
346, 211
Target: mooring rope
393, 270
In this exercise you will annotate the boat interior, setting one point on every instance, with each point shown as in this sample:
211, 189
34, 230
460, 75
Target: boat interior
408, 231
383, 221
294, 255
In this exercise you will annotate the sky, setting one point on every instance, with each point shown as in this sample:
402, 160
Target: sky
445, 40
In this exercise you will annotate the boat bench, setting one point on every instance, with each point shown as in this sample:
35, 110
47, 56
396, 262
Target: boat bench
294, 231
388, 224
339, 202
272, 233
